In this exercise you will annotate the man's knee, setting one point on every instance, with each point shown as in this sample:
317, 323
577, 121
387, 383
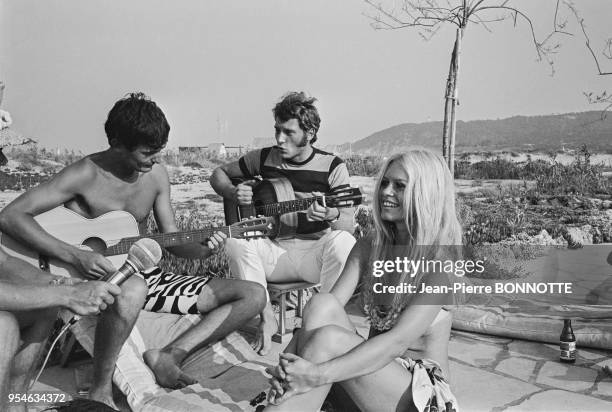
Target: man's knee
221, 291
133, 292
341, 243
234, 247
256, 294
252, 293
10, 332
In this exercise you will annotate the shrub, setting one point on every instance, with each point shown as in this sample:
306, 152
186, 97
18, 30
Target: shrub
497, 168
579, 178
363, 165
215, 265
196, 157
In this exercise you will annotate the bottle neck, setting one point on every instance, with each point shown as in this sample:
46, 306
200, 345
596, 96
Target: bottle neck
567, 334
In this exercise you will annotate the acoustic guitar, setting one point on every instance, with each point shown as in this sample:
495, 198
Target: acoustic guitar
113, 233
275, 198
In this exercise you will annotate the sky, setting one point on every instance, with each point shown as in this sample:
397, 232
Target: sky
217, 68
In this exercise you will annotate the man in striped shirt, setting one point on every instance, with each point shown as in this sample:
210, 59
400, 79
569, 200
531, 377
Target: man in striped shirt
322, 242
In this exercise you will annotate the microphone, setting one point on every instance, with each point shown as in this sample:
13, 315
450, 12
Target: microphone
142, 255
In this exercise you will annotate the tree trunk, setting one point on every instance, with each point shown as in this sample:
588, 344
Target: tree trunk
454, 102
449, 106
448, 102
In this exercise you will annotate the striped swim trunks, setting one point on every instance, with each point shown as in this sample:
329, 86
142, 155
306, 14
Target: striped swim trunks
172, 293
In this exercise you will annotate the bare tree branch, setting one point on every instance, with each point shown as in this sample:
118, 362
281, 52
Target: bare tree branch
476, 19
428, 16
603, 98
418, 14
607, 49
539, 46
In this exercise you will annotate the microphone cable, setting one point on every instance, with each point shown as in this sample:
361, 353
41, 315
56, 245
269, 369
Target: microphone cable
146, 254
74, 320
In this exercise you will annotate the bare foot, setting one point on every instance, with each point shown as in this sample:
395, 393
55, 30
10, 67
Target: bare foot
104, 396
166, 368
266, 328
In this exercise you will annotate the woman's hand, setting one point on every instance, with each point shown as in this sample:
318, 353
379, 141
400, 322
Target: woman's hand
276, 384
300, 376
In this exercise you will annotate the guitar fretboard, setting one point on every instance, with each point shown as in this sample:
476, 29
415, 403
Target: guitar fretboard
287, 206
168, 239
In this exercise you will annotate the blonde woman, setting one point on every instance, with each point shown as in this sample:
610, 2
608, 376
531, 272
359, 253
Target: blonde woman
414, 217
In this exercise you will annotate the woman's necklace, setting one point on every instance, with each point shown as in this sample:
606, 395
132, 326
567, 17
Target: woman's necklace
382, 316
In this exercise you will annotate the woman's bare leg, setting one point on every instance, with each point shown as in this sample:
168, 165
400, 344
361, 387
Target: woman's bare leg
322, 311
385, 389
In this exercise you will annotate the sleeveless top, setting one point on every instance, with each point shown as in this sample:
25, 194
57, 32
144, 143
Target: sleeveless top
382, 310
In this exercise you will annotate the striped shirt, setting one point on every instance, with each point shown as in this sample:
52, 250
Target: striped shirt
321, 172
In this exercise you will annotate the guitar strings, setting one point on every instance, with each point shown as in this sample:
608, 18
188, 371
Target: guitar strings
122, 245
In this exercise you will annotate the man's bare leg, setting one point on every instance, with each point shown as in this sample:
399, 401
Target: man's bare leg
226, 304
114, 327
35, 327
9, 343
268, 325
256, 261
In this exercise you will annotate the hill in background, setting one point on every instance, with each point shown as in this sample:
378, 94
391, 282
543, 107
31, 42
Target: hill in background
518, 133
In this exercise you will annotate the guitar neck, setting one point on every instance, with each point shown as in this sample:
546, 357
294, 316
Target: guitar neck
288, 206
169, 239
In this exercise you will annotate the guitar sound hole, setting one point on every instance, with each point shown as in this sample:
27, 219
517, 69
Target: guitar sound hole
96, 244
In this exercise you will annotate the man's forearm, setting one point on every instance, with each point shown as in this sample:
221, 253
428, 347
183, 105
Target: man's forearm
14, 297
24, 229
17, 271
222, 184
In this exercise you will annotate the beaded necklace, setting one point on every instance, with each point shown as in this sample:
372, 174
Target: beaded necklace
382, 317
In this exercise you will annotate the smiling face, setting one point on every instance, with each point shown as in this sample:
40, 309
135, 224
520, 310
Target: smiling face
292, 141
392, 192
142, 158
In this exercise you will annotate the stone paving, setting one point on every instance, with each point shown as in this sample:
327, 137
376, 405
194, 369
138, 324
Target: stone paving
488, 373
496, 374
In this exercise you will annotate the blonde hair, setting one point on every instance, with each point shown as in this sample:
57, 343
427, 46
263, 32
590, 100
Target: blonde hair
429, 206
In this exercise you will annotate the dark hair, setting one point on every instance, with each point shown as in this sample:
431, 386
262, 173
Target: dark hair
297, 105
136, 120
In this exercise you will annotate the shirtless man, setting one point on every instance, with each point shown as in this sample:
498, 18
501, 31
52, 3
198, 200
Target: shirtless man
127, 177
29, 299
